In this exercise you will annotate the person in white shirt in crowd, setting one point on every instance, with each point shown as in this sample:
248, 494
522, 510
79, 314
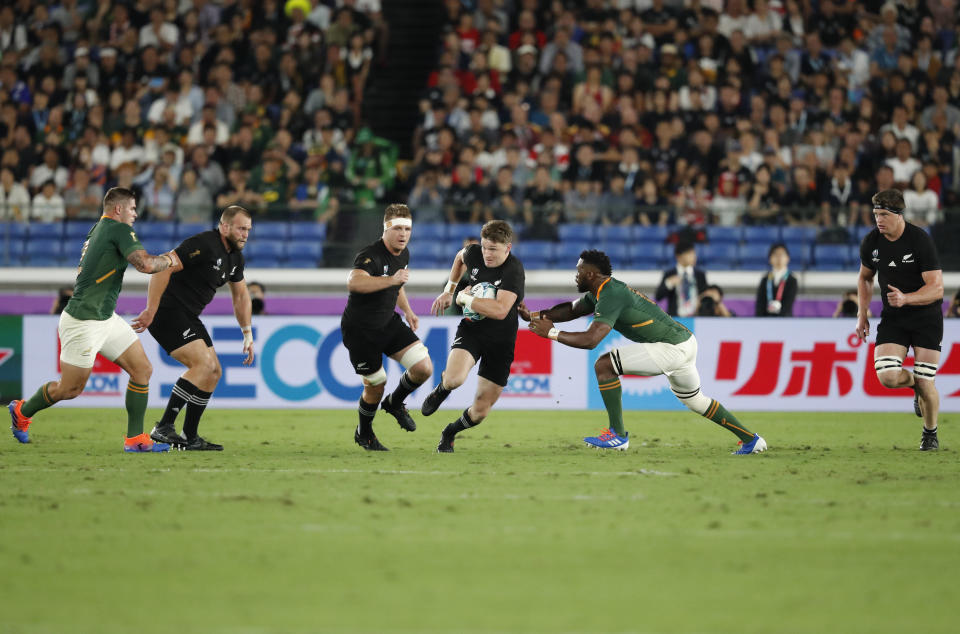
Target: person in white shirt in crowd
923, 204
129, 151
159, 33
180, 104
48, 205
14, 198
50, 169
904, 166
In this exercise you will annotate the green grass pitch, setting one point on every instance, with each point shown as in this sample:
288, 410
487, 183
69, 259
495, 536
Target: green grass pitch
843, 526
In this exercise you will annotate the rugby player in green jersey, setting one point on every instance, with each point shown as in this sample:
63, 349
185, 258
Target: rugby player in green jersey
90, 325
659, 345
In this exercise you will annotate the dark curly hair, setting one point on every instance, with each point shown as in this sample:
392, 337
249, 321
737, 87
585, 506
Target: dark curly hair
598, 259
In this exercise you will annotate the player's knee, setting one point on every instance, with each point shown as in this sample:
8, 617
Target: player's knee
375, 379
452, 382
696, 402
142, 372
421, 371
604, 368
215, 371
888, 370
69, 391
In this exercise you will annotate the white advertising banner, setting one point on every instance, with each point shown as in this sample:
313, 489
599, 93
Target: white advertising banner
747, 364
301, 363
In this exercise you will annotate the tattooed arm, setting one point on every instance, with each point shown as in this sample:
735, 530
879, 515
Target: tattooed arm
146, 263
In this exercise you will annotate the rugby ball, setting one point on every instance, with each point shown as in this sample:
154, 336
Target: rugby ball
484, 290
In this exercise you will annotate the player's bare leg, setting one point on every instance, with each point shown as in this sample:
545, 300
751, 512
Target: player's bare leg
888, 360
71, 384
487, 394
459, 364
416, 359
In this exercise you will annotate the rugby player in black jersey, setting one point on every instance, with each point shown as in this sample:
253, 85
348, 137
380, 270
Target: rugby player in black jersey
372, 328
489, 340
911, 287
175, 299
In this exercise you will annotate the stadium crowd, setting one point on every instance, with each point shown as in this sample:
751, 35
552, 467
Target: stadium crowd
691, 113
193, 104
666, 113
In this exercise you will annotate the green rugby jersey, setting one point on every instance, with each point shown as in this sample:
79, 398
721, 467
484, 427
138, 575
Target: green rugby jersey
633, 314
100, 274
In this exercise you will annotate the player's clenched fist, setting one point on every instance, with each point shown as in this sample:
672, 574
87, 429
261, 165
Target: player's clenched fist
400, 277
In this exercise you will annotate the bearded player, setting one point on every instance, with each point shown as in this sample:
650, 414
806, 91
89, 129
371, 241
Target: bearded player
659, 345
175, 300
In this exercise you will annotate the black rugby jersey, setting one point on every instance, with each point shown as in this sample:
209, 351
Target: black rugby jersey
375, 310
509, 276
902, 264
207, 265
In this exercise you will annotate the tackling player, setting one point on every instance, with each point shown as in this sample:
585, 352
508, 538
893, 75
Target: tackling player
175, 300
89, 324
372, 328
659, 345
489, 341
911, 286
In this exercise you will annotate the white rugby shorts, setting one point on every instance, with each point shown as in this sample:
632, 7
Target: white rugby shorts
677, 361
82, 339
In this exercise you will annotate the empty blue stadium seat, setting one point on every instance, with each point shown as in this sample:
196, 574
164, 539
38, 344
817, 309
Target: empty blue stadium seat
650, 255
430, 231
159, 230
799, 254
725, 235
567, 253
45, 230
653, 233
720, 255
18, 231
539, 250
832, 256
309, 231
43, 252
298, 251
754, 257
458, 232
265, 250
268, 263
535, 264
860, 232
11, 252
271, 231
761, 234
613, 233
799, 234
576, 232
78, 229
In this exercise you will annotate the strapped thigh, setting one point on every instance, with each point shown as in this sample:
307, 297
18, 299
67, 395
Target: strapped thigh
888, 364
924, 370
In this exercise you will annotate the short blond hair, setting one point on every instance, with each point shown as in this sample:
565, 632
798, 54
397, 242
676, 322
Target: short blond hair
396, 210
497, 231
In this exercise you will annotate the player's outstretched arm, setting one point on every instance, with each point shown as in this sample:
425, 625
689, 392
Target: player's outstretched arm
146, 263
561, 312
587, 339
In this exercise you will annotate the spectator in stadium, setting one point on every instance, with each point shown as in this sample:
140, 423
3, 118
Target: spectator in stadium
652, 206
50, 169
728, 207
14, 198
710, 303
841, 205
47, 205
159, 196
922, 203
82, 197
504, 198
777, 290
463, 201
194, 201
426, 198
257, 293
801, 204
682, 284
60, 301
953, 311
618, 205
542, 207
370, 168
763, 200
582, 204
847, 306
903, 164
